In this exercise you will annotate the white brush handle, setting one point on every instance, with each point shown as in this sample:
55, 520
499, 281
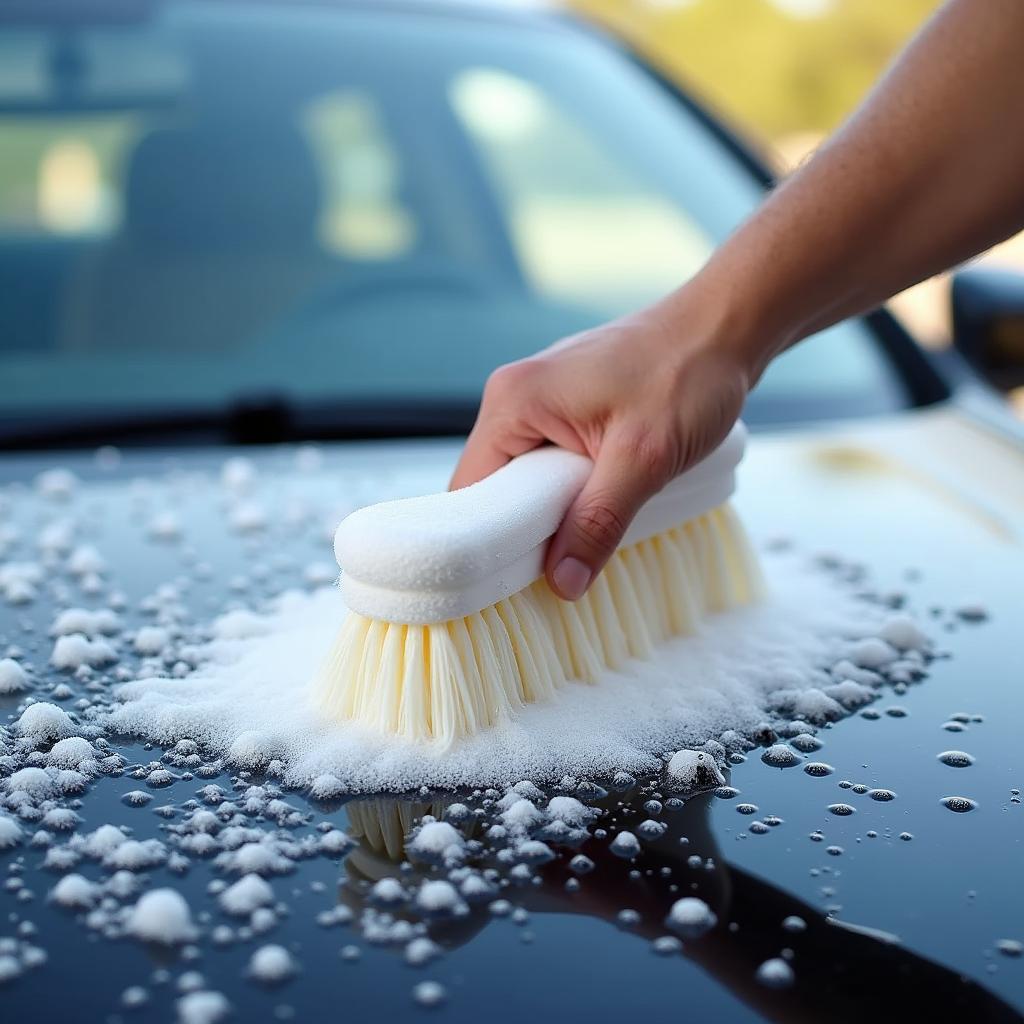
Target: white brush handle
443, 556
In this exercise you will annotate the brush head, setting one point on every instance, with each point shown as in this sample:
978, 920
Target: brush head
445, 556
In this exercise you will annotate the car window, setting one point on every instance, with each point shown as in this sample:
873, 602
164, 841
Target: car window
355, 207
586, 226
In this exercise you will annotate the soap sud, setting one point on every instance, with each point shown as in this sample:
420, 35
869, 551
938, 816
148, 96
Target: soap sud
13, 678
203, 1007
254, 678
57, 484
151, 640
248, 893
690, 917
429, 993
421, 951
775, 973
45, 721
694, 770
88, 622
272, 964
75, 650
10, 832
163, 916
75, 892
86, 560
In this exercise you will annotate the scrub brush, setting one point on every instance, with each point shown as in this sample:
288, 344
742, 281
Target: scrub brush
452, 626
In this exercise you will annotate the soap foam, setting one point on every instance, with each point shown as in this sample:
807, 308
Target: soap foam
691, 690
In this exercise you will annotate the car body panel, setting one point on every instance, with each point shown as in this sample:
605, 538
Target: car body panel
914, 492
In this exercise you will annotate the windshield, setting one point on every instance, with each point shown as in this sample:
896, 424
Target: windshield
353, 207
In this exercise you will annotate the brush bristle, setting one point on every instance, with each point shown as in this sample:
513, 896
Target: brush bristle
451, 679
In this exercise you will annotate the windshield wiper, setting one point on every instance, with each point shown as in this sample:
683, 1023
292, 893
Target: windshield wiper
251, 419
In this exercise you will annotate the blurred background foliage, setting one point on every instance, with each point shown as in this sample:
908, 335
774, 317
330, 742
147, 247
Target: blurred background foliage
786, 73
783, 69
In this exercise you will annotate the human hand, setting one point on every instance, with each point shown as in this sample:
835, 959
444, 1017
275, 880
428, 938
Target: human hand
645, 397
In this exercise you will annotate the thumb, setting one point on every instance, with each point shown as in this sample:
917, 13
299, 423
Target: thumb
624, 477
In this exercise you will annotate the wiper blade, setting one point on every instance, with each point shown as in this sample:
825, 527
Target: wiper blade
258, 419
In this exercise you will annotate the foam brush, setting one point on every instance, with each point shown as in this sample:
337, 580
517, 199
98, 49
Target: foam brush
452, 626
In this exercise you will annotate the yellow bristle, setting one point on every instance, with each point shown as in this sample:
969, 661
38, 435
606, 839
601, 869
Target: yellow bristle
451, 679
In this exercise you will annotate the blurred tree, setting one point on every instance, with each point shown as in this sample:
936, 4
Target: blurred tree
777, 67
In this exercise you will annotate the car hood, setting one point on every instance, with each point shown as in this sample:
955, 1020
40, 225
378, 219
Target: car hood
931, 503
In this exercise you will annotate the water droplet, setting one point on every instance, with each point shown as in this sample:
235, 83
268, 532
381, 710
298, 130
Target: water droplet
818, 769
747, 808
952, 726
842, 810
759, 828
859, 788
844, 784
726, 792
773, 820
816, 836
956, 758
1010, 947
906, 836
896, 711
882, 795
779, 756
959, 804
775, 973
806, 743
834, 851
871, 714
794, 924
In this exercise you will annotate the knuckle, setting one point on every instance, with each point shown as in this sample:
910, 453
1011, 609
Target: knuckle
648, 452
600, 523
509, 380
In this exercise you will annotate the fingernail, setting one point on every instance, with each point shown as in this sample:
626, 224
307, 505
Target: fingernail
572, 578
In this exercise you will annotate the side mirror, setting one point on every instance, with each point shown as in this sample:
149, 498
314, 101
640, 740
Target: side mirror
988, 323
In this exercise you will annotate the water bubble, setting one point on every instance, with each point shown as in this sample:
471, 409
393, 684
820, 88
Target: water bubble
834, 851
959, 804
780, 756
775, 973
1010, 947
972, 613
666, 945
956, 758
882, 795
581, 864
773, 820
871, 834
816, 836
747, 808
844, 784
726, 792
759, 828
429, 993
818, 769
794, 924
806, 743
906, 836
842, 810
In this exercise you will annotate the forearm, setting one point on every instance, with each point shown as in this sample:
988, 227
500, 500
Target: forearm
929, 172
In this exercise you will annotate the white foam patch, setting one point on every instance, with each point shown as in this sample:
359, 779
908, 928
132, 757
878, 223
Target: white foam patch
694, 689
